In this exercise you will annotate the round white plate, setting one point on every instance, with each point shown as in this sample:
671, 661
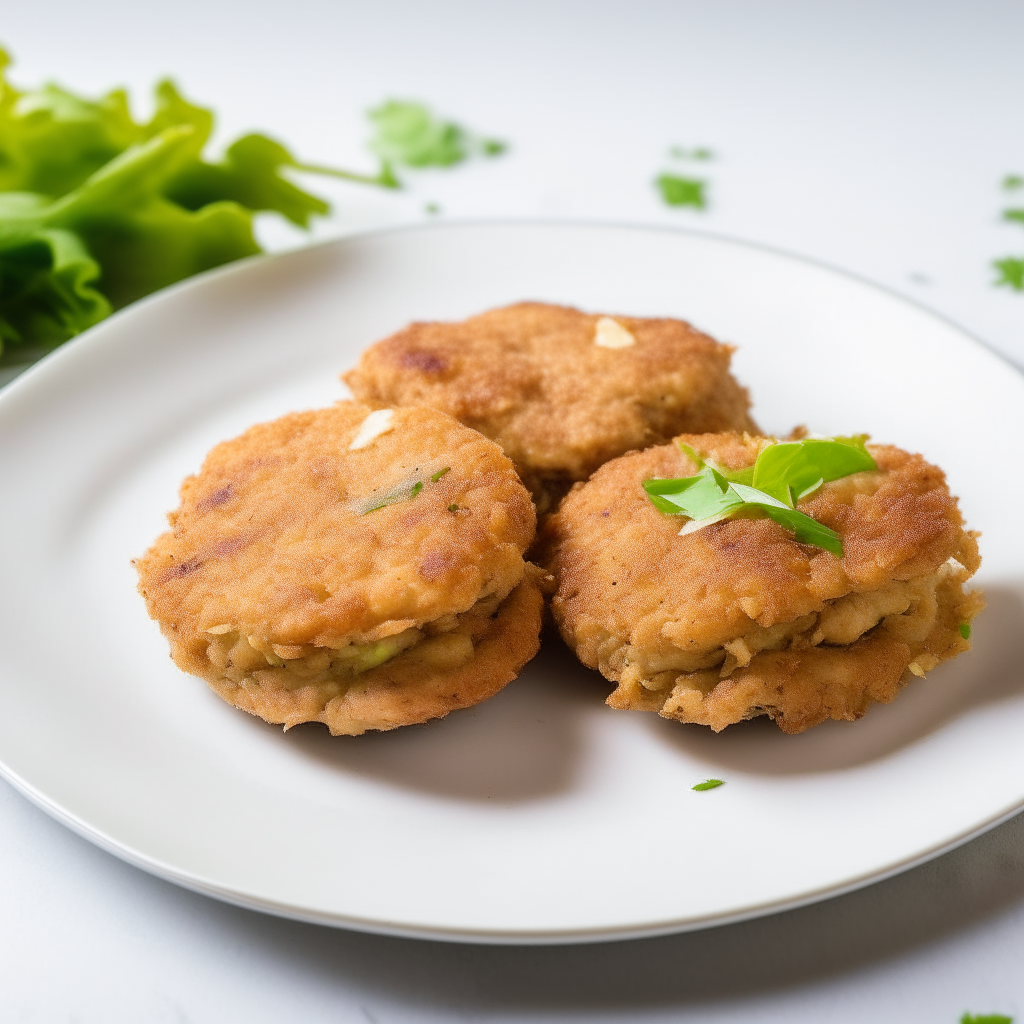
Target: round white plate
541, 815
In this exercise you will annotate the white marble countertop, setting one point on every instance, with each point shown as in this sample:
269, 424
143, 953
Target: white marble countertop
872, 137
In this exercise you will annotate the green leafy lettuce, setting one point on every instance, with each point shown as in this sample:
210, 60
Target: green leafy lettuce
97, 209
409, 133
783, 474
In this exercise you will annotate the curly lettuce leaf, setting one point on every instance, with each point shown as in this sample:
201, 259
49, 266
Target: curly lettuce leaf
98, 209
66, 263
48, 279
52, 140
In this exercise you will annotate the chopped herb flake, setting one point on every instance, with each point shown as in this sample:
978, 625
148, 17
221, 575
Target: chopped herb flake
709, 784
1013, 181
1014, 214
453, 507
493, 147
985, 1018
784, 473
678, 191
1011, 273
431, 208
700, 153
965, 630
408, 489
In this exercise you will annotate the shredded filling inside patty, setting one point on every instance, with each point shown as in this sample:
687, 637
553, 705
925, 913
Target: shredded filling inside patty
906, 610
444, 643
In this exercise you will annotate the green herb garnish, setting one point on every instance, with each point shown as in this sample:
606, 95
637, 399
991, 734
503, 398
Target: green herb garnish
784, 473
1014, 215
709, 784
678, 191
1011, 272
404, 491
965, 630
985, 1018
97, 209
408, 133
1012, 181
453, 507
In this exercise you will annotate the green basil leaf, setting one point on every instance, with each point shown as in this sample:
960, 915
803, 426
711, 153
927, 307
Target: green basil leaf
790, 470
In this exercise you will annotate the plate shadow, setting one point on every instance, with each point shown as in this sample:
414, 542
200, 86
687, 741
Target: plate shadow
990, 673
523, 744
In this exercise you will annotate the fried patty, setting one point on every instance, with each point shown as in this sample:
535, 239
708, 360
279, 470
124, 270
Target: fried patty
560, 390
362, 570
738, 619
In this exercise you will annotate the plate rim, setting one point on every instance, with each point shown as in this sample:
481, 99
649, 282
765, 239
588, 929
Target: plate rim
468, 935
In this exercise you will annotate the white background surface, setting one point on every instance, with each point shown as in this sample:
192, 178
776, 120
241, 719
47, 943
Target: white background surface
871, 136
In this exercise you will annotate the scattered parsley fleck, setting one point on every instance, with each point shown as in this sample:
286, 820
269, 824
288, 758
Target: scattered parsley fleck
453, 507
678, 191
965, 630
440, 473
709, 784
1015, 214
1011, 273
410, 134
1013, 181
985, 1018
432, 208
700, 153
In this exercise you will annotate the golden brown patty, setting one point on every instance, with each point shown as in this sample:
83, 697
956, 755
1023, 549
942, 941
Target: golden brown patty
284, 585
561, 391
738, 619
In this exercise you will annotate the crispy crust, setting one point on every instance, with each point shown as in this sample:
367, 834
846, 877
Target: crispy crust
404, 691
531, 377
654, 611
273, 543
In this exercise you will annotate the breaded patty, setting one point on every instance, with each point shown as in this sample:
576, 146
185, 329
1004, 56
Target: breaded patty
362, 569
738, 619
561, 391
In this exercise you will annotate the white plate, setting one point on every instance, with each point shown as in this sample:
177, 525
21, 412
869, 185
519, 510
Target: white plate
540, 815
